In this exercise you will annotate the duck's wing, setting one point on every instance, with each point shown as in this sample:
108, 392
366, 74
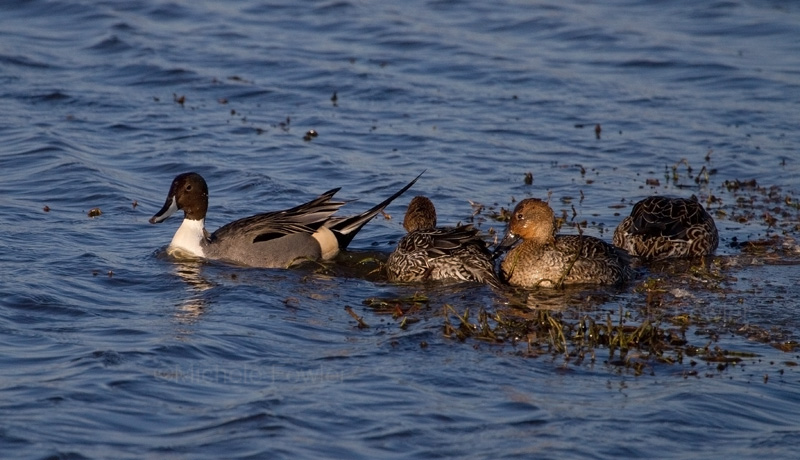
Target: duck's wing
587, 247
460, 253
595, 259
446, 240
671, 218
304, 218
659, 216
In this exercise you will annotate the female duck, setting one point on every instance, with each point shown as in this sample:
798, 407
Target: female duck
549, 260
661, 227
430, 253
271, 240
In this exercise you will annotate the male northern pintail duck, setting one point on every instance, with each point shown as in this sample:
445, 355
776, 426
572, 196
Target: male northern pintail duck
271, 240
661, 227
428, 252
549, 260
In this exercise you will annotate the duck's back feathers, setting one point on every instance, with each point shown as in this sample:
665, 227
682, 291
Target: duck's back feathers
304, 218
662, 227
431, 253
275, 239
442, 254
571, 259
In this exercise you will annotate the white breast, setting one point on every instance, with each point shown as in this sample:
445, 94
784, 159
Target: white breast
188, 237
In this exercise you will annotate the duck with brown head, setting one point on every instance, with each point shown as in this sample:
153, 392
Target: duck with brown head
544, 258
272, 239
431, 253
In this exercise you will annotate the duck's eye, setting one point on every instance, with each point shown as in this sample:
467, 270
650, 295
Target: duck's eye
519, 216
188, 188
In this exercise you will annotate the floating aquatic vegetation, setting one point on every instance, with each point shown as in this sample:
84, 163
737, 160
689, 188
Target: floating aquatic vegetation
736, 184
397, 307
681, 314
359, 319
528, 178
310, 134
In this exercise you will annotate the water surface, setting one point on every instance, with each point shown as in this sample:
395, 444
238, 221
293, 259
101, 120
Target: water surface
110, 349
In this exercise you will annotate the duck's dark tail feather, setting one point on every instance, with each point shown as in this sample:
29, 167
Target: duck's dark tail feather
346, 228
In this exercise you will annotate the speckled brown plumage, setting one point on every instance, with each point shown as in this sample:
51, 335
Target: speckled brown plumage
427, 252
661, 228
549, 260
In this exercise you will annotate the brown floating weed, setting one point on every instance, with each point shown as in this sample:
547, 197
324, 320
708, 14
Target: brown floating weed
359, 320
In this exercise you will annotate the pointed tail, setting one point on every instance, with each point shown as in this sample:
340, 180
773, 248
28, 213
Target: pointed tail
346, 228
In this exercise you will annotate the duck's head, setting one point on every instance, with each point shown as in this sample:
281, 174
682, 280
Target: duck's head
531, 220
420, 215
188, 192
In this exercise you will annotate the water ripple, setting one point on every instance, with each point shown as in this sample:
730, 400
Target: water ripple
111, 349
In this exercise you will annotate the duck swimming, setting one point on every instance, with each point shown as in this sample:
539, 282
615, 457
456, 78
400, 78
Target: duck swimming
428, 252
275, 239
662, 227
546, 259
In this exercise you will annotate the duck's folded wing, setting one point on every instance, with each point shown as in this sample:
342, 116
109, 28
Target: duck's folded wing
464, 254
304, 218
447, 240
659, 217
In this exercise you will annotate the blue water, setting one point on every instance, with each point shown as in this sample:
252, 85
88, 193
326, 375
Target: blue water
110, 349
